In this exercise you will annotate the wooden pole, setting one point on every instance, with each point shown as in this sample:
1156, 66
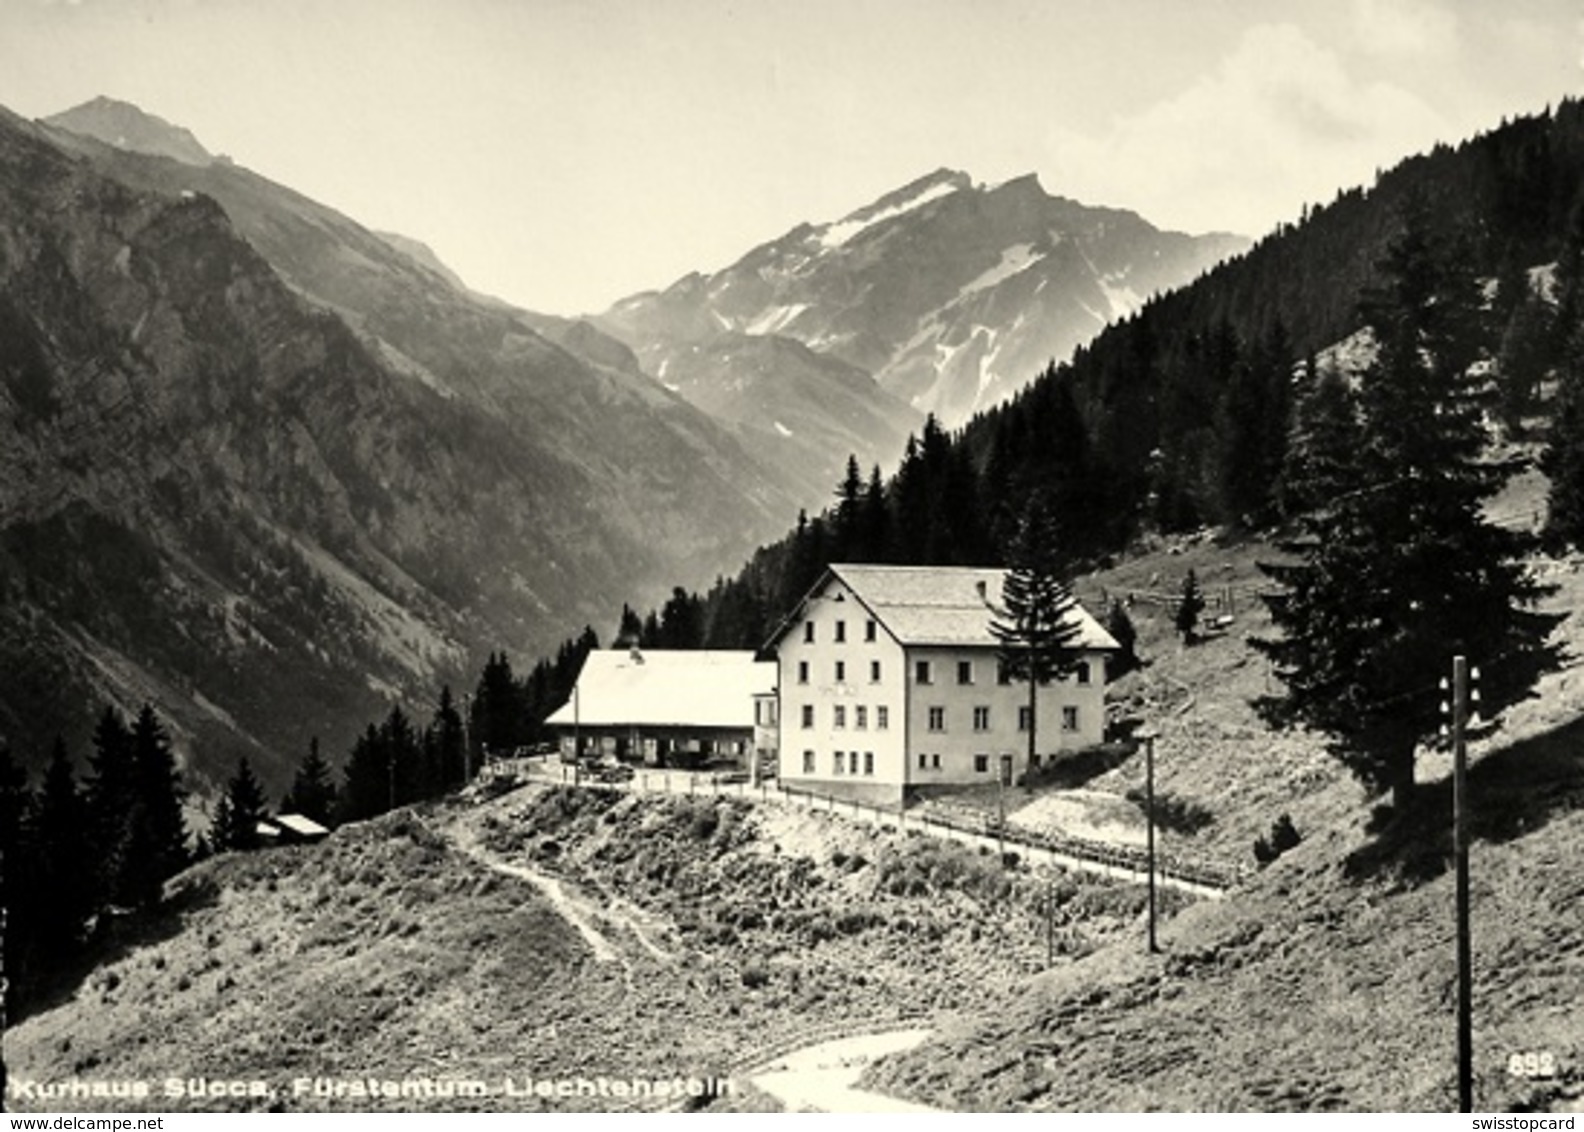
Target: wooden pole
1465, 1027
1149, 817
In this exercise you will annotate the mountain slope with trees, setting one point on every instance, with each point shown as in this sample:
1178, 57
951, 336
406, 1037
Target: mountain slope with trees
258, 456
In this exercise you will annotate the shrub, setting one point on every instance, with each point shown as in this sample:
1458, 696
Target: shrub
1282, 837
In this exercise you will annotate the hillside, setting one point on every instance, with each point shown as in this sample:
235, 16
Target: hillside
265, 457
677, 936
1320, 986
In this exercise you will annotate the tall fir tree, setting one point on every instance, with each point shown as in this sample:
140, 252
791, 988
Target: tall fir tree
63, 857
450, 760
236, 825
1036, 626
1400, 571
313, 792
366, 792
1323, 444
157, 840
108, 798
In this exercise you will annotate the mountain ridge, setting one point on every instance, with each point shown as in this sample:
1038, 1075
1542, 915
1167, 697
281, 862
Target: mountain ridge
952, 294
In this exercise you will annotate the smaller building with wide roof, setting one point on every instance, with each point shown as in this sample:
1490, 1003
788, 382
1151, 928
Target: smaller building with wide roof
664, 707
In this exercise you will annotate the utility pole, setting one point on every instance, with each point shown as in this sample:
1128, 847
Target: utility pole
467, 753
1465, 978
1050, 922
1148, 735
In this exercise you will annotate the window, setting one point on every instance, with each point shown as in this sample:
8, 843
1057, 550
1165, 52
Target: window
1069, 719
874, 672
808, 762
860, 717
1083, 672
965, 672
841, 762
937, 719
922, 673
981, 764
808, 715
841, 631
1003, 673
934, 762
808, 632
882, 718
923, 760
839, 715
802, 672
841, 672
1023, 718
981, 719
868, 762
869, 630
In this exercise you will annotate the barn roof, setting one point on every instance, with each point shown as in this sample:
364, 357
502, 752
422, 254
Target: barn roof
667, 688
936, 605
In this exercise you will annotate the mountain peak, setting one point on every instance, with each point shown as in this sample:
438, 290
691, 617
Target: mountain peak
129, 127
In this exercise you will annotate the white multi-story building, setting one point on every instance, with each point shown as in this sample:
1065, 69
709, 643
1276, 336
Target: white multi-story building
889, 679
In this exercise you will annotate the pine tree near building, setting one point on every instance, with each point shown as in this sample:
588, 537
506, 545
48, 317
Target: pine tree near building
1035, 628
1120, 625
313, 792
1399, 571
237, 818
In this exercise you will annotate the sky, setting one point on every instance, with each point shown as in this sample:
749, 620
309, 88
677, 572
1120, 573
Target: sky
565, 153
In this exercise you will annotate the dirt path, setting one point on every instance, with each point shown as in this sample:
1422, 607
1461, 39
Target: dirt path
822, 1077
466, 842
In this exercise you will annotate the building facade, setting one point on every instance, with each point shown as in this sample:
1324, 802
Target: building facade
889, 679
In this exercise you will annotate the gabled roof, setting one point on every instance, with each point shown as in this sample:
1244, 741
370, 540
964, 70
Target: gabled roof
935, 605
667, 688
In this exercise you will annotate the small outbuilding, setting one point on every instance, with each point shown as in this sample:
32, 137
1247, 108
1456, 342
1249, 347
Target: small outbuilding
671, 707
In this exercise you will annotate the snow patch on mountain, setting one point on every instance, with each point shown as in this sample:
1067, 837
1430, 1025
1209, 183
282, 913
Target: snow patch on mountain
773, 320
1123, 299
835, 235
1016, 259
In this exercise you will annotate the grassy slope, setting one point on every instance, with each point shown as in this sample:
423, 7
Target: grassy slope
1326, 982
388, 951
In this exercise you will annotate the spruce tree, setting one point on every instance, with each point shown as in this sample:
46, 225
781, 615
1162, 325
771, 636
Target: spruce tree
1563, 459
236, 824
64, 859
1120, 625
157, 838
1399, 571
313, 792
1323, 444
1036, 627
450, 760
367, 790
108, 796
